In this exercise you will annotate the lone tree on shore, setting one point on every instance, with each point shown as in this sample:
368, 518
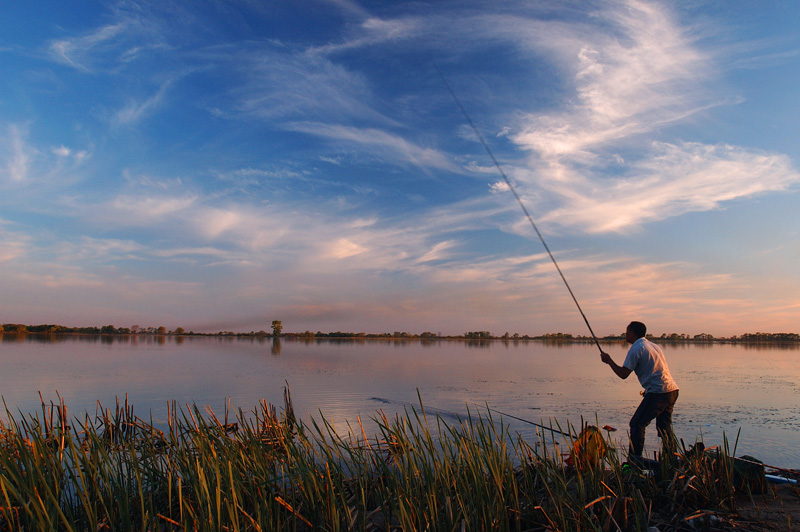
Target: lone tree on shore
276, 328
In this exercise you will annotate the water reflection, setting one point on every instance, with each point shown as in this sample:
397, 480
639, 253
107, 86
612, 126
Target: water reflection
276, 346
12, 338
778, 346
479, 344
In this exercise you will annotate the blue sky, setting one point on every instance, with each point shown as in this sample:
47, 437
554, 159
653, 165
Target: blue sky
218, 165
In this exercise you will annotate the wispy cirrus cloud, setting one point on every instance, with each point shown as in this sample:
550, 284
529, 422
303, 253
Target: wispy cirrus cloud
63, 152
133, 31
292, 146
631, 71
438, 251
279, 253
388, 145
677, 179
374, 31
280, 234
24, 164
16, 158
13, 245
129, 209
76, 51
633, 76
136, 110
281, 83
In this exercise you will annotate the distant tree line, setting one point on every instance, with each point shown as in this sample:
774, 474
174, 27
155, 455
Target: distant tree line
110, 329
277, 331
769, 337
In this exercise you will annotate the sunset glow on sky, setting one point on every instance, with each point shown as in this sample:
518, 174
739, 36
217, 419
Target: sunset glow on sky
219, 165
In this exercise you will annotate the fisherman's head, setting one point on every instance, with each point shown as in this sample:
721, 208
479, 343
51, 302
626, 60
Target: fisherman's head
635, 330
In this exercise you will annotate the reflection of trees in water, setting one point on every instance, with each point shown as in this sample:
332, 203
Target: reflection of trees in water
105, 339
552, 342
760, 346
481, 344
687, 345
13, 338
750, 342
335, 339
276, 346
253, 339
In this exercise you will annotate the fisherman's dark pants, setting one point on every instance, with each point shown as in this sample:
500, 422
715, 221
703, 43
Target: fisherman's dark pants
656, 406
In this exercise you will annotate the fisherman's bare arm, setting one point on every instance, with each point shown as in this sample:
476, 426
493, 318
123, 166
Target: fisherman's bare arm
621, 371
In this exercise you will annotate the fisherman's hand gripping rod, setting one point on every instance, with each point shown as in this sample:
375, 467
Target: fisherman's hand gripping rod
519, 200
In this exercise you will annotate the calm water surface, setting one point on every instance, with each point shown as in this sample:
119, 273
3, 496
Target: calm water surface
724, 388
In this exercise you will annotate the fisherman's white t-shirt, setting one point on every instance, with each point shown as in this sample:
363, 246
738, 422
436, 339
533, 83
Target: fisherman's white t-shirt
647, 360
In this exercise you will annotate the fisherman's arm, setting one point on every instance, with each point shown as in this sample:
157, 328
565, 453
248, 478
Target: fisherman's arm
621, 371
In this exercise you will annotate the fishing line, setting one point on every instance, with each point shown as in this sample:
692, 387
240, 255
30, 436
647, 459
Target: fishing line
551, 429
519, 200
460, 417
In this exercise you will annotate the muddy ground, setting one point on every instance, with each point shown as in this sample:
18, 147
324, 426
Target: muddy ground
778, 509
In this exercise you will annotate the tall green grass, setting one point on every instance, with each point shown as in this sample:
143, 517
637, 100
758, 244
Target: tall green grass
264, 470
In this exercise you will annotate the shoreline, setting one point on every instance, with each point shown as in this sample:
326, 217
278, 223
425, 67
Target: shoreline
777, 339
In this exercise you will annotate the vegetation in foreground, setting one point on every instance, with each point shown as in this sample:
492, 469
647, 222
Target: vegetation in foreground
267, 471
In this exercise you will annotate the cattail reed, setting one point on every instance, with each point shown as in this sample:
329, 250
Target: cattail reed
265, 470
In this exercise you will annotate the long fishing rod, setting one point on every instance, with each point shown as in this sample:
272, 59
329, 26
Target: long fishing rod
519, 200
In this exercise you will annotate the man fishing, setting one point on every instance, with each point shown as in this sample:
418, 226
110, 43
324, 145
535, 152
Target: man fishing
646, 359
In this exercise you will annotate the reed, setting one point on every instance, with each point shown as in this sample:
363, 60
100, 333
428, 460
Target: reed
264, 470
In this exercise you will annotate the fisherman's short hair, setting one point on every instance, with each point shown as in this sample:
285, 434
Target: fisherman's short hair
638, 328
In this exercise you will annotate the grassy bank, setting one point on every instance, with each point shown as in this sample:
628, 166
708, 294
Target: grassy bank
264, 470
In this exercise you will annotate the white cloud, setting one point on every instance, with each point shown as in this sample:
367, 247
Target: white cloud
135, 31
109, 247
634, 73
438, 252
285, 234
13, 245
18, 155
76, 51
628, 71
629, 79
206, 251
342, 249
286, 257
136, 110
25, 165
65, 153
143, 210
283, 85
389, 145
675, 179
499, 187
62, 151
216, 221
374, 31
337, 160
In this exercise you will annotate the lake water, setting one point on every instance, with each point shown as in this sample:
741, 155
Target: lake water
724, 388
